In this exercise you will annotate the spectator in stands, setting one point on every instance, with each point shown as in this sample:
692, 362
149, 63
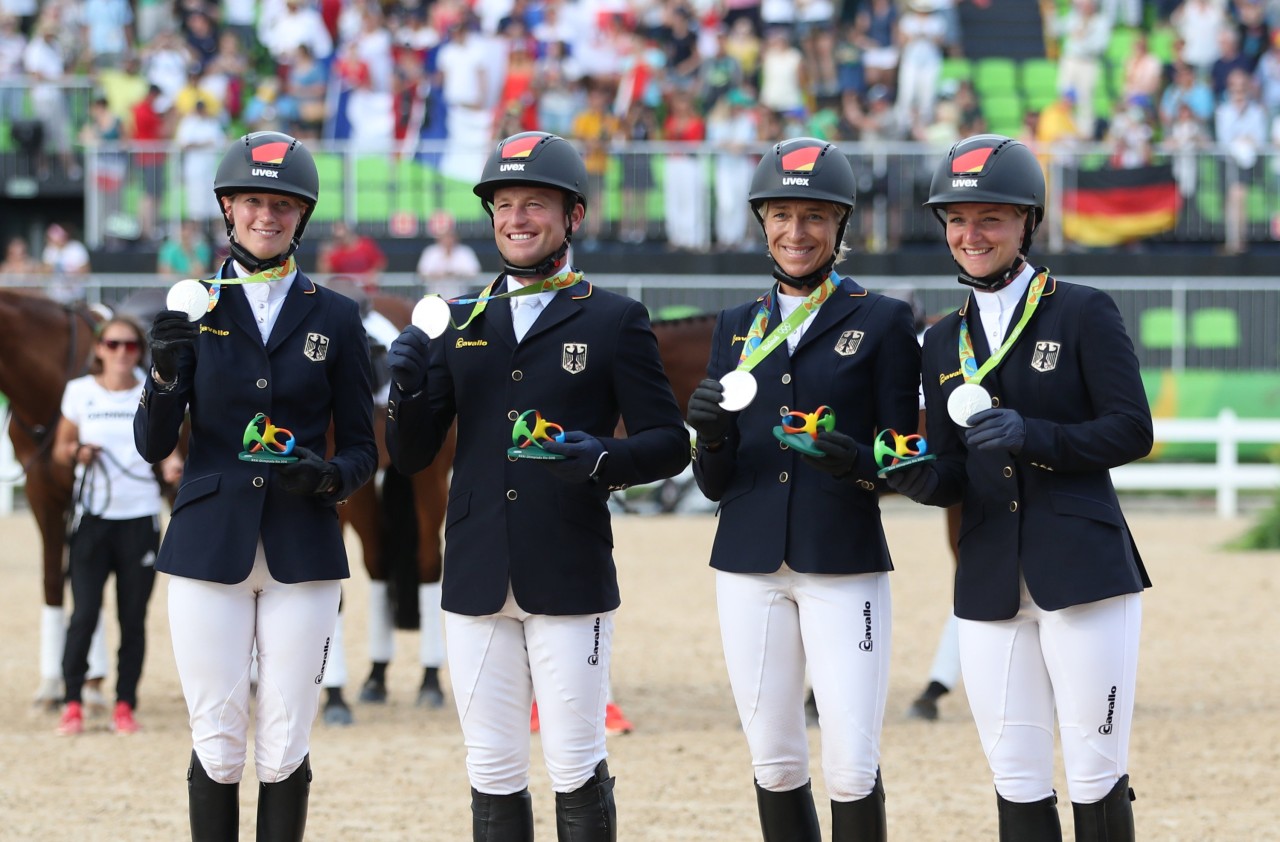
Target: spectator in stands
742, 43
1252, 30
298, 23
1198, 23
464, 87
1240, 125
200, 137
307, 87
519, 87
348, 252
149, 160
720, 72
921, 33
1130, 134
1184, 140
151, 17
18, 260
1085, 34
67, 262
639, 126
1143, 72
225, 76
684, 188
110, 31
782, 81
239, 18
202, 37
593, 130
875, 24
1229, 60
1267, 76
448, 266
45, 72
681, 43
1056, 128
165, 62
267, 110
821, 66
371, 115
104, 128
731, 129
12, 46
558, 100
1187, 88
184, 102
373, 45
187, 255
972, 120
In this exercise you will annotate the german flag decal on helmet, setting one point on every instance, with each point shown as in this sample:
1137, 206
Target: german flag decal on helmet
270, 153
801, 160
521, 147
971, 163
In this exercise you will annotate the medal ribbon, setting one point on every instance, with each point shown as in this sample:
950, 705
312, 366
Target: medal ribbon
560, 280
969, 365
266, 276
758, 346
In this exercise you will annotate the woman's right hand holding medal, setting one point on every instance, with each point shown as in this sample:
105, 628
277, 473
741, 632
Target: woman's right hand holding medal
707, 416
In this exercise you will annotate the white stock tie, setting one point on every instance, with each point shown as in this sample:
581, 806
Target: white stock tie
526, 314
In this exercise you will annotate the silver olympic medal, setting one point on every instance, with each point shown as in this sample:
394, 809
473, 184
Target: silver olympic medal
431, 315
739, 390
966, 400
188, 297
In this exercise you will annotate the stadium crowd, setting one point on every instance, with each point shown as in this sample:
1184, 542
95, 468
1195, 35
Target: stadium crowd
733, 73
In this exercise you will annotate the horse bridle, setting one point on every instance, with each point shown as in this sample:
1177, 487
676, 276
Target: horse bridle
77, 365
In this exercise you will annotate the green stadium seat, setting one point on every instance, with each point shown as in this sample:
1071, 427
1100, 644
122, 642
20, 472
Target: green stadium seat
995, 76
1160, 328
955, 68
1160, 43
1039, 79
1120, 45
1003, 113
1215, 327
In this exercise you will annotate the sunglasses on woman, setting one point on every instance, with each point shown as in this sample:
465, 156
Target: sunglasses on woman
117, 344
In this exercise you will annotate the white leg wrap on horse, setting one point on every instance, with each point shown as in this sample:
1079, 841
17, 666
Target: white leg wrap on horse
335, 672
946, 660
98, 661
53, 640
382, 642
430, 626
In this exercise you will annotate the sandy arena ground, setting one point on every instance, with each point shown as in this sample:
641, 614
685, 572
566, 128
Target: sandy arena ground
1204, 752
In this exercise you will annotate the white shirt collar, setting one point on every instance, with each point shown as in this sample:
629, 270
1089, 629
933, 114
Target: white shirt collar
270, 292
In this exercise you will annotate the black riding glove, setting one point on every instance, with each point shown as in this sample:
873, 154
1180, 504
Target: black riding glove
172, 340
585, 455
706, 416
996, 429
309, 475
839, 453
407, 359
918, 481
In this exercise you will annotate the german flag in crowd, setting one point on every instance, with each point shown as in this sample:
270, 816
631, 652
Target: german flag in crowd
1113, 206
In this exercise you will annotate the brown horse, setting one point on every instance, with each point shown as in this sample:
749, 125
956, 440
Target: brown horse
43, 344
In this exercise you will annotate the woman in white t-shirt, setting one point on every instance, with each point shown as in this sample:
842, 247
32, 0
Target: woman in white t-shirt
116, 525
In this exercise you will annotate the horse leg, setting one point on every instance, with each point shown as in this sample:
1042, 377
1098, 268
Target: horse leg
49, 501
431, 499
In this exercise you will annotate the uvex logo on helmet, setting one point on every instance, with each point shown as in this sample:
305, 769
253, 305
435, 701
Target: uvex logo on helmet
971, 163
516, 152
797, 164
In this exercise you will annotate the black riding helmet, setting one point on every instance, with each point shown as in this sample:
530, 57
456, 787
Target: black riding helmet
804, 168
541, 160
996, 169
267, 162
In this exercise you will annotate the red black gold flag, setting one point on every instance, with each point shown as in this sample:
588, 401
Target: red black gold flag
1114, 206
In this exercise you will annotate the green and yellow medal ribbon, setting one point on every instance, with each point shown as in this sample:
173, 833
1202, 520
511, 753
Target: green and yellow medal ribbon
969, 365
560, 280
758, 346
266, 276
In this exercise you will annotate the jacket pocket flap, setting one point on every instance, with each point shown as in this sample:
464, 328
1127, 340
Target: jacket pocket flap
196, 489
1071, 504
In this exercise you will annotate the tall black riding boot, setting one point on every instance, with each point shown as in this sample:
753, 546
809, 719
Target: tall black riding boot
862, 820
1108, 820
788, 816
502, 818
1034, 822
282, 806
588, 813
214, 807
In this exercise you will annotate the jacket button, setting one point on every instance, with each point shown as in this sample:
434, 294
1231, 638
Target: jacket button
511, 458
1008, 471
784, 410
517, 375
262, 383
511, 494
867, 484
786, 378
513, 415
1013, 506
782, 477
995, 401
258, 482
782, 445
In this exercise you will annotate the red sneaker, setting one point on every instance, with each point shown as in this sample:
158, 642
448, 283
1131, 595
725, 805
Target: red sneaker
533, 719
615, 722
72, 721
122, 720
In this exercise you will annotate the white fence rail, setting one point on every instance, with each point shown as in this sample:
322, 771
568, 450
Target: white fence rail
1226, 477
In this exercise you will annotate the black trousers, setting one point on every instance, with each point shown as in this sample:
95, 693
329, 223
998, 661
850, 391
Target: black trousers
99, 548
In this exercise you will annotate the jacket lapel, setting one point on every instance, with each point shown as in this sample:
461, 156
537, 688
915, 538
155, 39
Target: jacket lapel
298, 302
846, 298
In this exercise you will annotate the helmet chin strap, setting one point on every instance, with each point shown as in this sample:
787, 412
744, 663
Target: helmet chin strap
997, 280
256, 264
544, 268
805, 282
